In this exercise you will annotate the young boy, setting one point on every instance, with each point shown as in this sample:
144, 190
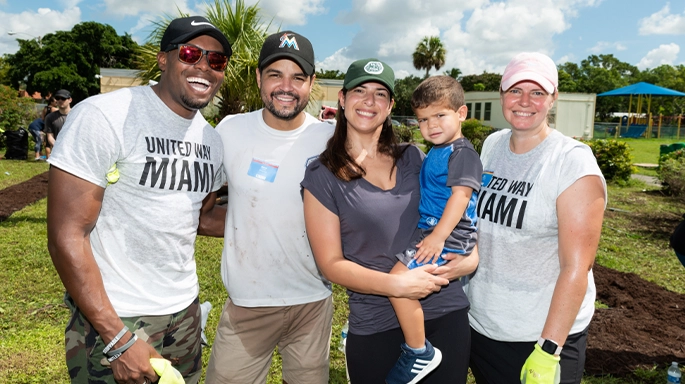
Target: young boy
450, 179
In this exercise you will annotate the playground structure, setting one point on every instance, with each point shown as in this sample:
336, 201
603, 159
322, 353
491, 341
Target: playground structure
641, 124
649, 126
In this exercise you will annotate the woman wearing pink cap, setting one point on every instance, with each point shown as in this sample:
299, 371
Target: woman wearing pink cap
540, 215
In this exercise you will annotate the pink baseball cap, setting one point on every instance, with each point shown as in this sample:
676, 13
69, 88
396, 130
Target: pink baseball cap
531, 66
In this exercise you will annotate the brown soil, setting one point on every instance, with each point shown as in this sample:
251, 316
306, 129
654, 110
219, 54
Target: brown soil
18, 196
644, 325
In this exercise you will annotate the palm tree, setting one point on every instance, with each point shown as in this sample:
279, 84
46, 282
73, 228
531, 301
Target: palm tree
429, 53
454, 72
244, 28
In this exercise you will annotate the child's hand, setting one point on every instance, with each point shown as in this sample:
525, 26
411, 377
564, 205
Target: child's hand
429, 249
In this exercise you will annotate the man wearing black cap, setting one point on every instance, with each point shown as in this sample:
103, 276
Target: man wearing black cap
133, 180
55, 120
277, 296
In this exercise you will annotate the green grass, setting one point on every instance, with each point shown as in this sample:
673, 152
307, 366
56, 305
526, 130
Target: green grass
635, 234
32, 316
647, 150
15, 171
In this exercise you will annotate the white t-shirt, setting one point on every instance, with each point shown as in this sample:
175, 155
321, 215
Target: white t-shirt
144, 238
267, 260
518, 242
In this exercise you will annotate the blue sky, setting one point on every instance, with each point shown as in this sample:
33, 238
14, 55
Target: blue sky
479, 35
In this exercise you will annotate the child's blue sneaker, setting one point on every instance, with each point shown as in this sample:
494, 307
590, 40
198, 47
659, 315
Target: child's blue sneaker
411, 367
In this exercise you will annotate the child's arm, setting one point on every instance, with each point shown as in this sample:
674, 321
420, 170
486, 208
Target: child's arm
432, 245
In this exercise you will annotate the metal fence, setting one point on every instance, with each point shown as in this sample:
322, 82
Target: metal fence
616, 130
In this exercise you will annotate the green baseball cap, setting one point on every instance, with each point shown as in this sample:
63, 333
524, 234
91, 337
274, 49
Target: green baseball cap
365, 70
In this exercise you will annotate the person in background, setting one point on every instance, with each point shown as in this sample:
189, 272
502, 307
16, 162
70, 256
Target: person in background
133, 180
540, 212
54, 121
36, 130
49, 108
276, 295
361, 205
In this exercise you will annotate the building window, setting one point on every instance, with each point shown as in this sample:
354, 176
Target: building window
468, 110
486, 113
476, 115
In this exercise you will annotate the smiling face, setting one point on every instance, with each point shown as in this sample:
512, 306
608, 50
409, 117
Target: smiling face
525, 106
440, 124
367, 106
285, 89
185, 88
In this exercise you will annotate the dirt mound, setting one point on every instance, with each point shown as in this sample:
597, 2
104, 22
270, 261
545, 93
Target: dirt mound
644, 325
18, 196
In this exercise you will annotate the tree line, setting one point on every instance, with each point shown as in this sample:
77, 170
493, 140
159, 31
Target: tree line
72, 59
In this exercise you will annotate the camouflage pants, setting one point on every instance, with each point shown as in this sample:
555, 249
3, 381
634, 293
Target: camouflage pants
175, 336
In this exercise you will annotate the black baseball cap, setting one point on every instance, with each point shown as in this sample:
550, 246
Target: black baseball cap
185, 29
288, 45
63, 93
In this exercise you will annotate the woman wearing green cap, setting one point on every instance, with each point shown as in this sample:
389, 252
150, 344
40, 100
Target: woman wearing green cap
361, 199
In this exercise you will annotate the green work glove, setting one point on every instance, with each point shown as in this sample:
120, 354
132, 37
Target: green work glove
167, 373
541, 368
112, 174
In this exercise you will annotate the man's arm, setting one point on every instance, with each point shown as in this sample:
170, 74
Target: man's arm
73, 208
212, 217
51, 139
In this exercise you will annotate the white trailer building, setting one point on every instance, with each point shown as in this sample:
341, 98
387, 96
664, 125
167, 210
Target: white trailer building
573, 114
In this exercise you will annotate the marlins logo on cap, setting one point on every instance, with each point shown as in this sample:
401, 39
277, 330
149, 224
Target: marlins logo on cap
289, 41
288, 45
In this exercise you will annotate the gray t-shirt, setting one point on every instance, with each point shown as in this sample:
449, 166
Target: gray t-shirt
375, 225
144, 237
518, 242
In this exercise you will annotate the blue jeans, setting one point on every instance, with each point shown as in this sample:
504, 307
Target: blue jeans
37, 136
681, 257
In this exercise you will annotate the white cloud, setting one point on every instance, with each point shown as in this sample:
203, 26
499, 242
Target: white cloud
34, 24
478, 34
137, 7
605, 46
67, 4
145, 24
665, 54
663, 23
292, 12
566, 59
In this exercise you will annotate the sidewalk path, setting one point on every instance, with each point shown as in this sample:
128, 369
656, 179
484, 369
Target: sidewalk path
649, 180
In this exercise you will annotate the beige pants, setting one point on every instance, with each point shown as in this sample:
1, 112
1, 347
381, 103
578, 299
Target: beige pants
246, 338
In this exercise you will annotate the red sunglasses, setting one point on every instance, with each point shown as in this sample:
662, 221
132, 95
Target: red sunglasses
190, 54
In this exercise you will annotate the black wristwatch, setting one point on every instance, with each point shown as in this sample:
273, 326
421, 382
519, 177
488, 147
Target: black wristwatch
549, 346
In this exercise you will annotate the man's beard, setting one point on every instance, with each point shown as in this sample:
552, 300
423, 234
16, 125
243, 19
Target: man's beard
193, 104
284, 114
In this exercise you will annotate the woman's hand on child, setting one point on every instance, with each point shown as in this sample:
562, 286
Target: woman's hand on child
419, 282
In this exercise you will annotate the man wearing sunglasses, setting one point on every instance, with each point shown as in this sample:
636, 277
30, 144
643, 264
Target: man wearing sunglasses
54, 121
133, 181
277, 297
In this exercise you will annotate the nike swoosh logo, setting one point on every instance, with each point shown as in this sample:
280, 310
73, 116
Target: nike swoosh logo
195, 23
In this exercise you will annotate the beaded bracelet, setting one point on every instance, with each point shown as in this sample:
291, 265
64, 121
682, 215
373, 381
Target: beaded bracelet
115, 354
115, 340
